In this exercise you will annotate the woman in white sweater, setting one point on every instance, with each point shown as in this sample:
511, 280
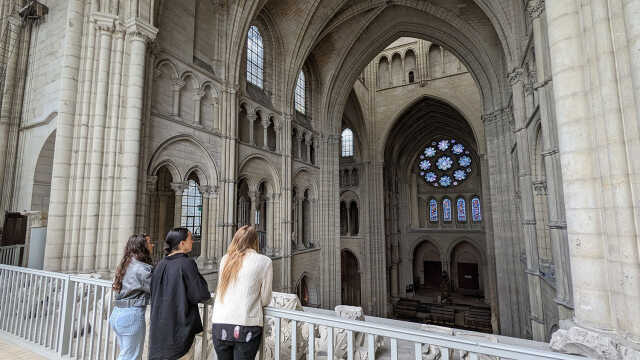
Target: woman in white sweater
244, 288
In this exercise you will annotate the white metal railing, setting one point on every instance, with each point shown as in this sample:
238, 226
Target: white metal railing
66, 317
10, 255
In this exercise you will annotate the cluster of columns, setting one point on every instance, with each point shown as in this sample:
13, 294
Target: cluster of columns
13, 69
93, 211
596, 71
303, 145
265, 121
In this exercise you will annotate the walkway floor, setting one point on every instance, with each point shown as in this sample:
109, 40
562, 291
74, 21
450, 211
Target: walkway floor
9, 350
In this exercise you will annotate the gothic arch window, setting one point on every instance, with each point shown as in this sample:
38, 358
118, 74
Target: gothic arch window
353, 213
347, 143
461, 210
476, 212
446, 210
433, 211
192, 211
344, 222
255, 57
300, 93
445, 163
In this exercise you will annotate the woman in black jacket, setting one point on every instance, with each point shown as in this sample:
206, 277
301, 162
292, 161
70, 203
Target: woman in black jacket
176, 289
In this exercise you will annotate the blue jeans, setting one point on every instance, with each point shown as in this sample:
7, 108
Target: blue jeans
129, 326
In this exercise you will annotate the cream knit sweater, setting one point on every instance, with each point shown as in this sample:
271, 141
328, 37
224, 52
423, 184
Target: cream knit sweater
248, 294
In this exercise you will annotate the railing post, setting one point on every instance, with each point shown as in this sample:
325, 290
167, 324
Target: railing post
66, 317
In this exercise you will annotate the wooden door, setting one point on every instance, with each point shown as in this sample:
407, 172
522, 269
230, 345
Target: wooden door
432, 274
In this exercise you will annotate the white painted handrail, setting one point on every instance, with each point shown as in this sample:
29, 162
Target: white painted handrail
66, 316
10, 255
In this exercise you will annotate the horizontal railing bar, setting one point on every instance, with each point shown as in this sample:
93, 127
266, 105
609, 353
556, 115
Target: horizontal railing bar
502, 350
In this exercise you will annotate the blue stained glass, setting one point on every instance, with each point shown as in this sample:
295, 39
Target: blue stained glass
459, 175
457, 149
464, 161
461, 207
476, 214
443, 145
444, 163
425, 164
431, 177
433, 210
430, 152
446, 209
445, 181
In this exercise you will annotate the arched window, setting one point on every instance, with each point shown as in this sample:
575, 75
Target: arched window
255, 57
347, 142
344, 222
192, 212
411, 77
446, 209
433, 211
476, 212
353, 213
299, 97
461, 206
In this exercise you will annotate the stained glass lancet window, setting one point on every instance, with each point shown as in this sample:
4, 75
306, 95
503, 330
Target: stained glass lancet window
476, 212
461, 208
192, 209
446, 209
299, 96
255, 57
445, 163
347, 142
433, 210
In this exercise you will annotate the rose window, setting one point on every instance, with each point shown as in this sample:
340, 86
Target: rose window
445, 163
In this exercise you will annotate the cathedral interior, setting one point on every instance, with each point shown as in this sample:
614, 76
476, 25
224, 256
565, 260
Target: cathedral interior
466, 163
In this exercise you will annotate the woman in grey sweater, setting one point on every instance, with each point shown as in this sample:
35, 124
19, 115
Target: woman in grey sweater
132, 291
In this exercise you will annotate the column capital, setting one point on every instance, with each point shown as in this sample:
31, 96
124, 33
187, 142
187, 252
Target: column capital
299, 133
265, 122
307, 137
15, 21
277, 124
515, 76
535, 8
198, 94
151, 181
208, 191
178, 84
179, 187
140, 30
252, 117
103, 21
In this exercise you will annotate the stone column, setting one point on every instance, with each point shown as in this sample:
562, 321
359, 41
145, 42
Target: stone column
265, 125
138, 34
307, 142
104, 25
178, 188
300, 221
253, 195
205, 236
198, 94
151, 215
177, 86
275, 220
592, 144
212, 222
8, 91
251, 118
553, 168
298, 154
527, 208
277, 125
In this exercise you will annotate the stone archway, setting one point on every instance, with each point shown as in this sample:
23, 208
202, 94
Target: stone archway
466, 269
427, 266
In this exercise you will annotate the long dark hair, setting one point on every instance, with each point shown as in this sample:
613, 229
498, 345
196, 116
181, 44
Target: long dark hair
174, 237
245, 238
136, 248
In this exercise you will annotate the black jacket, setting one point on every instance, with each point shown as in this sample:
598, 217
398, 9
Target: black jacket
176, 289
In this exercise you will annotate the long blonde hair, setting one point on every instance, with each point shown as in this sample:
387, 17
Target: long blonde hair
245, 238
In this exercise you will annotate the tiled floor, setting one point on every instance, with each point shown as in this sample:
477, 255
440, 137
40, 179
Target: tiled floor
9, 350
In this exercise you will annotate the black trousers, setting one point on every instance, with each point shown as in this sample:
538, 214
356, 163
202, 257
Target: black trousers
231, 350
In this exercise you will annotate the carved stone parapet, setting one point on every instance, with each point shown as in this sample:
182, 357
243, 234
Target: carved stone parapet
289, 302
594, 345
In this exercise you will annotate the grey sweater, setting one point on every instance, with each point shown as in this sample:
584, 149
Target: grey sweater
136, 285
